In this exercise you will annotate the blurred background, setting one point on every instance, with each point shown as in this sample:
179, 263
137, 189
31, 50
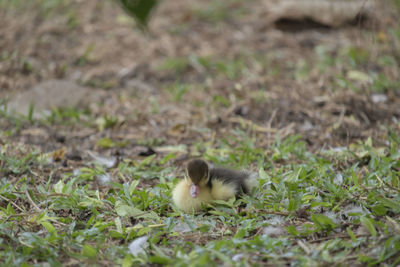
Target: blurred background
88, 75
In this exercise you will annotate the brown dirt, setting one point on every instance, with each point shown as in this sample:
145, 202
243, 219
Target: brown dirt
125, 66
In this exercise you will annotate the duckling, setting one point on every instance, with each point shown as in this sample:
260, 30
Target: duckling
204, 183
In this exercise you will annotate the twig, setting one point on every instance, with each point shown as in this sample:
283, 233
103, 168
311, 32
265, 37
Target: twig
271, 119
57, 195
269, 123
156, 225
12, 202
46, 195
31, 201
17, 215
282, 213
336, 236
123, 178
20, 214
391, 187
365, 118
25, 244
286, 130
256, 127
228, 112
304, 247
58, 222
341, 117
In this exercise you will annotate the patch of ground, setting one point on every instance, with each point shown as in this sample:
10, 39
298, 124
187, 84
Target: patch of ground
202, 71
205, 73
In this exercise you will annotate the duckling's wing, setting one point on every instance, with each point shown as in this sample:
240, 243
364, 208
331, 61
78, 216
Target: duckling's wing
223, 191
234, 178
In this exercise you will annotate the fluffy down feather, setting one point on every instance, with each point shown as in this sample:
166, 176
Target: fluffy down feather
211, 183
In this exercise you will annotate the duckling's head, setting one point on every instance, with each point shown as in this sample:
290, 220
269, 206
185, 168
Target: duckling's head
198, 172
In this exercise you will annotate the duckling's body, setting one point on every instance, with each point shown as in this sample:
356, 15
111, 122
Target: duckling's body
205, 184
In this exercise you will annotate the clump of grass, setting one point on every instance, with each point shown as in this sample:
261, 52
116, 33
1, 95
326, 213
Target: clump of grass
329, 207
217, 12
225, 67
177, 91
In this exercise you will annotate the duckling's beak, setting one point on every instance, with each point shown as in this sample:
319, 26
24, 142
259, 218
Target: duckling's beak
194, 190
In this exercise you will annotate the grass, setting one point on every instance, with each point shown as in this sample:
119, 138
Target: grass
216, 12
332, 207
326, 206
46, 9
361, 67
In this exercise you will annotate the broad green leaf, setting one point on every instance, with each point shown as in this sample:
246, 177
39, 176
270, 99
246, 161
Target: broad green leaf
10, 210
127, 261
167, 158
59, 186
105, 143
291, 229
124, 210
2, 215
368, 143
39, 219
89, 251
49, 227
159, 260
323, 221
140, 10
262, 174
118, 224
320, 204
90, 202
241, 233
116, 234
146, 161
369, 224
133, 186
379, 210
351, 234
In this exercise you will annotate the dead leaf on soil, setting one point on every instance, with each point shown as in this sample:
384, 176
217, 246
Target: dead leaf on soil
59, 154
177, 130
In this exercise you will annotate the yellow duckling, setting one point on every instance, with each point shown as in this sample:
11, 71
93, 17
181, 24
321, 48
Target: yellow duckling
204, 183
